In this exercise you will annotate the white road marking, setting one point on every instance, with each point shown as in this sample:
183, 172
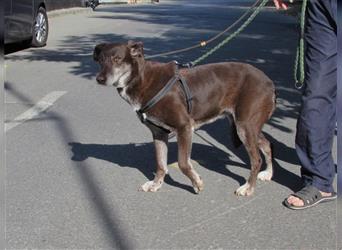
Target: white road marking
45, 103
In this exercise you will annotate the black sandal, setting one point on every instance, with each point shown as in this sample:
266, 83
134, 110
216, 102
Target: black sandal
311, 196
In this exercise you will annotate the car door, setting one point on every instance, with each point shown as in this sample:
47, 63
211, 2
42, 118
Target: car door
21, 19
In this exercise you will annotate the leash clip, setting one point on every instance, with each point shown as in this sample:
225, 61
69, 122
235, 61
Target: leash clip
299, 85
184, 65
142, 116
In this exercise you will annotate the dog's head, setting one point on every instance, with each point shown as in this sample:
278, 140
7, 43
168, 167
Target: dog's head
118, 62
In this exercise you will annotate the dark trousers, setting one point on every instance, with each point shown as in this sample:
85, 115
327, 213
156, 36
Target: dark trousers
317, 119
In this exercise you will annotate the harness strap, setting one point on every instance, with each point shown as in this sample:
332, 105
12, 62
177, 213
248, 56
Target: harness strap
176, 78
159, 95
187, 92
184, 85
150, 123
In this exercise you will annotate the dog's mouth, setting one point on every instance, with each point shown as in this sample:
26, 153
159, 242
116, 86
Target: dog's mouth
115, 84
108, 80
119, 90
118, 77
121, 77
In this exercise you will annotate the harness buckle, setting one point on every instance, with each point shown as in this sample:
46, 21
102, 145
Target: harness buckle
184, 65
142, 116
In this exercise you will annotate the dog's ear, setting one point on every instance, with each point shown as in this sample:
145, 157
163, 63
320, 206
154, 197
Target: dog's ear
97, 51
136, 48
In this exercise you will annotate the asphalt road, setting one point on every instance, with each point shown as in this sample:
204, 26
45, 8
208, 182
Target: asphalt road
76, 154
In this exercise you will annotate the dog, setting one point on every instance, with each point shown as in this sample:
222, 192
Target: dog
191, 97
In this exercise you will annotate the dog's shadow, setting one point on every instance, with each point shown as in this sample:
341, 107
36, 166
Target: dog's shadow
141, 157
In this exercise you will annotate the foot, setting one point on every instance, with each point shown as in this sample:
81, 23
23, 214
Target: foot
244, 190
307, 197
151, 186
198, 185
297, 202
265, 175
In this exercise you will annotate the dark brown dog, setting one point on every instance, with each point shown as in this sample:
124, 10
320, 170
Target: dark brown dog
230, 89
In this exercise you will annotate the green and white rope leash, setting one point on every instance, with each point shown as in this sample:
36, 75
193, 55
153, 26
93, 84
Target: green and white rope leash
299, 70
299, 61
231, 36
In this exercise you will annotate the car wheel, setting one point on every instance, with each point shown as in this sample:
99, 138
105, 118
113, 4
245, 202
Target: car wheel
40, 29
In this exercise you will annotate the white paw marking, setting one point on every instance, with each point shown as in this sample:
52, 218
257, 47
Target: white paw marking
198, 187
150, 186
265, 175
244, 190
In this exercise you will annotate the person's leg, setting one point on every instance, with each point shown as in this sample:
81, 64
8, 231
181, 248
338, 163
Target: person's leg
316, 123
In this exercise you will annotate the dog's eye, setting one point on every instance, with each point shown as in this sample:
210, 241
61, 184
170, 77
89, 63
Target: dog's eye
116, 59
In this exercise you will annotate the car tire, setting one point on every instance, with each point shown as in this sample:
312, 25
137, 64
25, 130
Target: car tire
40, 29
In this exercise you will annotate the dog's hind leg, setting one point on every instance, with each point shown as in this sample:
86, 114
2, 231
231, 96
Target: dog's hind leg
234, 136
160, 144
249, 138
236, 140
265, 147
184, 139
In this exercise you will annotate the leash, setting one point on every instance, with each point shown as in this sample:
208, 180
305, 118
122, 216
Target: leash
299, 70
206, 42
233, 35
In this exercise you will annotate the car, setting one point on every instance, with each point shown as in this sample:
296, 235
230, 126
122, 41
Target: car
26, 20
92, 3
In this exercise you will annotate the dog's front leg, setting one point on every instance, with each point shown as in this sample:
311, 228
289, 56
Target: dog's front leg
160, 144
184, 139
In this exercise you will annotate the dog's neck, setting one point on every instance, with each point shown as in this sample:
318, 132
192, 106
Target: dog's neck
147, 79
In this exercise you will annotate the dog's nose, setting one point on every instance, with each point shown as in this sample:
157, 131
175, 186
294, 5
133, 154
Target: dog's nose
101, 79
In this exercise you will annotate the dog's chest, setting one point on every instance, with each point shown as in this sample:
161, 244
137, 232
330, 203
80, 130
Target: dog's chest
150, 121
131, 101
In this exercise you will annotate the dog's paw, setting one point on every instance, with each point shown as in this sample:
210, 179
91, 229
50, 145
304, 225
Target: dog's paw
150, 186
244, 190
198, 186
265, 175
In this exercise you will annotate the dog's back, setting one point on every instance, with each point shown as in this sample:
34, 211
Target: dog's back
238, 88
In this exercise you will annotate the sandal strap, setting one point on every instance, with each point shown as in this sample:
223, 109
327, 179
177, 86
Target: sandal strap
308, 194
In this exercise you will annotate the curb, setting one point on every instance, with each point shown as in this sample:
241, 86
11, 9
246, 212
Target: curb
77, 10
69, 11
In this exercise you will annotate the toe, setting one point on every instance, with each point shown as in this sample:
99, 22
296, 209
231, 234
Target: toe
295, 201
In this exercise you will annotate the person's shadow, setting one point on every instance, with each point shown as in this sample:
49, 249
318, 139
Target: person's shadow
141, 157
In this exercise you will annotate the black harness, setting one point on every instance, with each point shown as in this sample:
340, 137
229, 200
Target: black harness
154, 124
